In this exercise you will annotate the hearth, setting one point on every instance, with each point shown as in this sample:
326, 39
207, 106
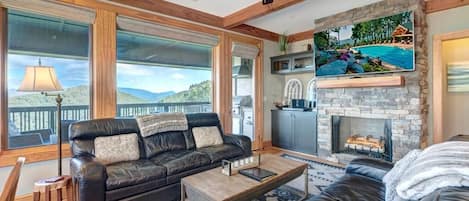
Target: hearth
362, 136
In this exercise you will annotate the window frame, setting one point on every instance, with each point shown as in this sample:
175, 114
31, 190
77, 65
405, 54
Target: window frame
161, 65
36, 153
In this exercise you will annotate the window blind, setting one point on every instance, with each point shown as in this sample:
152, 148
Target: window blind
149, 28
243, 50
52, 9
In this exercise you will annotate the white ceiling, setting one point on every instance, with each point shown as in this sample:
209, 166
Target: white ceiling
220, 8
297, 18
300, 17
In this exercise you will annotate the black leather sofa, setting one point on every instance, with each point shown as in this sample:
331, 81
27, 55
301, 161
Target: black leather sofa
164, 159
362, 182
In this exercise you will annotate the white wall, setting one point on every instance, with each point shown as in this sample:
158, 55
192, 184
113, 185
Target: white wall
33, 172
439, 23
273, 87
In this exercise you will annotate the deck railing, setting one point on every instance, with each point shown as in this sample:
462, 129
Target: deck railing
37, 118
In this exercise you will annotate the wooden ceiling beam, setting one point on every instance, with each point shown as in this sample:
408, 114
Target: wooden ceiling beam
175, 10
432, 6
254, 11
254, 31
301, 36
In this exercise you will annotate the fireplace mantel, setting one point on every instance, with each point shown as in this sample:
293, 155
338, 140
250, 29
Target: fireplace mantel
388, 81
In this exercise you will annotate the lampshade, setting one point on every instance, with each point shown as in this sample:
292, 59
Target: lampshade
40, 79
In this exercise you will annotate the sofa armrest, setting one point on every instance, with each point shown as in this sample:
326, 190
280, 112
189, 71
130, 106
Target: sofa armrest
90, 177
241, 141
372, 168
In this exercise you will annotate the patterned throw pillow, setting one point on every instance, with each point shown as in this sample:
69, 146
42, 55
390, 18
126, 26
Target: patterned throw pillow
118, 148
207, 136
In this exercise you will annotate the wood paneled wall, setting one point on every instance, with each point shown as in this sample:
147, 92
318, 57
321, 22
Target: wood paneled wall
104, 57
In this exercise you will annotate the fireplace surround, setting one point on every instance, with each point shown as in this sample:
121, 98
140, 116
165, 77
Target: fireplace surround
362, 136
405, 106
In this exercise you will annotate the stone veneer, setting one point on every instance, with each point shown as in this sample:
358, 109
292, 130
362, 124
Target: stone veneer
406, 106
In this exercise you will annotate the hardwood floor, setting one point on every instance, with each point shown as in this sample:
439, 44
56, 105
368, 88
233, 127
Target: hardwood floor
280, 151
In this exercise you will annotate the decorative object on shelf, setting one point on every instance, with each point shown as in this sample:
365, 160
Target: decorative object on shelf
283, 43
311, 94
299, 62
233, 167
293, 90
458, 77
44, 80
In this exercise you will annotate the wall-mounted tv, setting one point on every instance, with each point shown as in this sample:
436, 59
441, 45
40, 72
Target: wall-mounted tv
376, 46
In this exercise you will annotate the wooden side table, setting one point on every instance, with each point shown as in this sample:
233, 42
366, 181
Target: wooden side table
59, 190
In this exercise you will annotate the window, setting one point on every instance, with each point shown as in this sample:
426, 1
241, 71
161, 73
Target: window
56, 42
160, 75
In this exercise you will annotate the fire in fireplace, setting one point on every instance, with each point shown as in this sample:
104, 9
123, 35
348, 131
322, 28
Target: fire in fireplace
362, 136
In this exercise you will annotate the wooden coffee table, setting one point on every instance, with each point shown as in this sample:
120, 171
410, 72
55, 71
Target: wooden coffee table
212, 185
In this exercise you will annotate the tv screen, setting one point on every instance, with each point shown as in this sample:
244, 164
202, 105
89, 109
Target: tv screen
376, 46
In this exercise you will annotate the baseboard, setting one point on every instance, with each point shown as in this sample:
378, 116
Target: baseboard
309, 156
266, 144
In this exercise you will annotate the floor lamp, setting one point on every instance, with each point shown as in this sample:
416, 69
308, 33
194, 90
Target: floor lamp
43, 79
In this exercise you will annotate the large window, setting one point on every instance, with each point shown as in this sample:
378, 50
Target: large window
59, 43
159, 75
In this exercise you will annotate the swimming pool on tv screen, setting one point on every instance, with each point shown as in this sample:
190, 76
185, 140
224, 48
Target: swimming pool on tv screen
400, 57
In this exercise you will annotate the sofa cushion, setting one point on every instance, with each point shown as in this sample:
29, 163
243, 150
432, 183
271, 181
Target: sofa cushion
182, 160
164, 142
132, 173
219, 152
117, 148
207, 136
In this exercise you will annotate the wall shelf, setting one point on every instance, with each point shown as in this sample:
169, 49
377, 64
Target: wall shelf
389, 81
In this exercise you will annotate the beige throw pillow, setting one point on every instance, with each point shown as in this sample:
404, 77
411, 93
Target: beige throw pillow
207, 136
118, 148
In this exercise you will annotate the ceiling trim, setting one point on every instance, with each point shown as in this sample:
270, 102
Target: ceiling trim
254, 11
301, 36
432, 6
178, 11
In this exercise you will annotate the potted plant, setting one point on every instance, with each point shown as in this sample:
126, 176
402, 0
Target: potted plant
283, 43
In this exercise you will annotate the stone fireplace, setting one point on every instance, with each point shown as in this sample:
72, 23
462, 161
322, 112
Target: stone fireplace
404, 110
362, 136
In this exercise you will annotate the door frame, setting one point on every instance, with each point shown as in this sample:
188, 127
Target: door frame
258, 107
438, 78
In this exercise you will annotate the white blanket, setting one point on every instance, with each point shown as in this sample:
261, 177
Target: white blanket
440, 165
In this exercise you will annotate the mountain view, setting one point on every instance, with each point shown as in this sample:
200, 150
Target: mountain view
79, 95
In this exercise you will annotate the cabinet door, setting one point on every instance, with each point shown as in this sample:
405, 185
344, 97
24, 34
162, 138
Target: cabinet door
304, 132
282, 129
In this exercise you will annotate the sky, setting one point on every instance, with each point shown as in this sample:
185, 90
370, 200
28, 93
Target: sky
345, 32
74, 72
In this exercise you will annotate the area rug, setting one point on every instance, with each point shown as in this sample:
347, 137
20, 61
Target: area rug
320, 175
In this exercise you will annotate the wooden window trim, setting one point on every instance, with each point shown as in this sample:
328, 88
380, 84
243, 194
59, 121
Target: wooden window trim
8, 157
258, 86
33, 154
